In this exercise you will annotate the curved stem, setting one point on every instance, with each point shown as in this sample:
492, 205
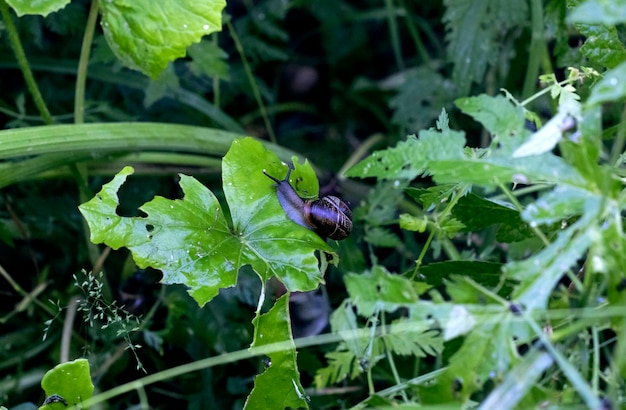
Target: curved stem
255, 89
81, 76
536, 48
14, 39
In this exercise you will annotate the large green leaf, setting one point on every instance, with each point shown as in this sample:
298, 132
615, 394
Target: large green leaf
191, 241
279, 385
147, 35
70, 382
41, 7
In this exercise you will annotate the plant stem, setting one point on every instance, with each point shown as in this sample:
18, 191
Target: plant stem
618, 143
359, 153
255, 89
393, 33
16, 44
83, 62
536, 48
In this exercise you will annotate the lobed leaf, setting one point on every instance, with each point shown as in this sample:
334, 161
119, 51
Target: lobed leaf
191, 241
146, 36
279, 385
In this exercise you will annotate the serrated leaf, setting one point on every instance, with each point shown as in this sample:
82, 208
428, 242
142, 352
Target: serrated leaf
500, 168
602, 45
379, 290
71, 381
415, 338
341, 365
382, 237
191, 241
609, 12
487, 21
419, 99
497, 114
432, 197
279, 385
611, 87
41, 7
411, 158
208, 59
478, 213
146, 36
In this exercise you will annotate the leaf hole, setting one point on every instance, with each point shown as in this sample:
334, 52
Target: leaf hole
621, 285
149, 227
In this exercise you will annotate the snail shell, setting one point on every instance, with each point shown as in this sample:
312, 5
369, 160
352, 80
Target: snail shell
328, 216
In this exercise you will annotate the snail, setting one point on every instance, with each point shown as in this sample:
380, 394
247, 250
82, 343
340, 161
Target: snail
328, 216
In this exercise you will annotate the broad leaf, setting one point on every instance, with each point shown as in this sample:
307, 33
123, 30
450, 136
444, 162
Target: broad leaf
191, 241
146, 36
69, 381
41, 7
497, 114
279, 385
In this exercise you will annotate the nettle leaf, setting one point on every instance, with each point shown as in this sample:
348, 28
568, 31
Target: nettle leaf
489, 21
608, 12
70, 381
379, 290
478, 213
191, 241
419, 97
415, 338
208, 59
411, 158
602, 45
497, 114
146, 36
41, 7
279, 384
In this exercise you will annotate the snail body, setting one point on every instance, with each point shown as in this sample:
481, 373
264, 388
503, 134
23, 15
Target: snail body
328, 216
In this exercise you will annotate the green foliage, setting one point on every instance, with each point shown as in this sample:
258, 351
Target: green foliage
70, 381
191, 241
486, 263
130, 30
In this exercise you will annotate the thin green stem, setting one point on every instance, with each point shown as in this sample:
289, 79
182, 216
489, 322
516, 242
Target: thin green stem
595, 377
520, 208
618, 143
417, 41
392, 364
535, 48
394, 34
83, 62
359, 153
253, 86
570, 372
16, 44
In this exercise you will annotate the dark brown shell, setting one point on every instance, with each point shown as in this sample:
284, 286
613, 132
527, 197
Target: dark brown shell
330, 216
